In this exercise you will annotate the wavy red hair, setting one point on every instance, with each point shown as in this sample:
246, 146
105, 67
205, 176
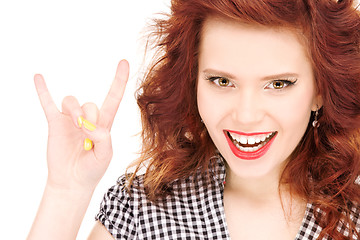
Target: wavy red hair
325, 164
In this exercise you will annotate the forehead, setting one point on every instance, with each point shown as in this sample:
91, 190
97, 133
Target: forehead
234, 46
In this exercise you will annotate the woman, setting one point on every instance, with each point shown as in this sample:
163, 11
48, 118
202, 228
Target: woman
250, 121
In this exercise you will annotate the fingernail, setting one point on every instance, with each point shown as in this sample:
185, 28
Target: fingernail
88, 125
80, 121
88, 144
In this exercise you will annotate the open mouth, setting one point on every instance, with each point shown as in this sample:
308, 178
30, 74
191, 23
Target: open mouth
249, 146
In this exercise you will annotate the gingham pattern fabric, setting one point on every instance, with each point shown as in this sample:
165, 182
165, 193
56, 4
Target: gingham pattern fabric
194, 211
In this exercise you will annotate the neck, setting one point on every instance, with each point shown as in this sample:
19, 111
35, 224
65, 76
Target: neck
256, 188
263, 193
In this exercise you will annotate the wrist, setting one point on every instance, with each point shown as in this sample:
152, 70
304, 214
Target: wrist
61, 212
73, 188
75, 196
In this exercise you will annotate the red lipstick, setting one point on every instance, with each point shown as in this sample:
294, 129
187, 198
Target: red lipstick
249, 155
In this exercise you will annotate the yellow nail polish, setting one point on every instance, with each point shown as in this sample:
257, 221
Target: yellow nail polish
80, 121
88, 144
88, 125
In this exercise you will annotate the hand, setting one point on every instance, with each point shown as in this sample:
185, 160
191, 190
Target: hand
70, 166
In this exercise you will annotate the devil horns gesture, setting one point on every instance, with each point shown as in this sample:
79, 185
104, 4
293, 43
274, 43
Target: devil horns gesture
79, 142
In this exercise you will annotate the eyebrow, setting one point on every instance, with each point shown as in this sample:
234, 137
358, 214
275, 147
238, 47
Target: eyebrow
281, 75
269, 77
218, 72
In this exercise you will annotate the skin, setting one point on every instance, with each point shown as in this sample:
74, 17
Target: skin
245, 64
73, 173
251, 196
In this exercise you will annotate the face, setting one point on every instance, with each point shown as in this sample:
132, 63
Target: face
255, 94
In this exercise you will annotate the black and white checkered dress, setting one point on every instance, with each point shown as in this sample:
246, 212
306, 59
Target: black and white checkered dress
192, 212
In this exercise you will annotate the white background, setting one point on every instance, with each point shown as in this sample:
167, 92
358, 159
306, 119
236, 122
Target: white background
76, 45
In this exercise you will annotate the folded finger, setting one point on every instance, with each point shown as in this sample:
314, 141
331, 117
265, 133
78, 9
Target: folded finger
71, 107
91, 112
98, 139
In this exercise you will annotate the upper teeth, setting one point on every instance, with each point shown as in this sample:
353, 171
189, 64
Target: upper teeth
249, 139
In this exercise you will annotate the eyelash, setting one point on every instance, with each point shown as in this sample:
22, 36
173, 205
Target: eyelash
214, 79
287, 83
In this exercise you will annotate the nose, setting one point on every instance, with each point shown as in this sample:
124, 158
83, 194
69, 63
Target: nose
248, 108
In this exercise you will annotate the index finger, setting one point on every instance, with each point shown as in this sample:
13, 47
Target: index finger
46, 100
116, 92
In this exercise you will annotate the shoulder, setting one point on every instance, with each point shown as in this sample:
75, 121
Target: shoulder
354, 218
194, 206
118, 207
311, 227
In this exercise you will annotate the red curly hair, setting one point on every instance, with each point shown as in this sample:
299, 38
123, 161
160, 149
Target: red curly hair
326, 163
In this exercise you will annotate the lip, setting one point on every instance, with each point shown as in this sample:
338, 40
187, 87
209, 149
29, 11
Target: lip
248, 134
249, 155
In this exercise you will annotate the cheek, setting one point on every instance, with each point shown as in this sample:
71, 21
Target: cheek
205, 107
212, 112
212, 107
293, 114
203, 102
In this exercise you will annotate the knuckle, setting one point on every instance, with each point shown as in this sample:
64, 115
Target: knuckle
90, 107
90, 111
69, 99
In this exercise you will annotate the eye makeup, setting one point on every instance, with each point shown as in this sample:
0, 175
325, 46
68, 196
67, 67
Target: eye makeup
280, 84
276, 84
219, 81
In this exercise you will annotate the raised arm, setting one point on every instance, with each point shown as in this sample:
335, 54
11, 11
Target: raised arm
79, 152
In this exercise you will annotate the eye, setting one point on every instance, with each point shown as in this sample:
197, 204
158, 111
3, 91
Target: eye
221, 81
280, 84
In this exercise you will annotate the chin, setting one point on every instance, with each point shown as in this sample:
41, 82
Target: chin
256, 169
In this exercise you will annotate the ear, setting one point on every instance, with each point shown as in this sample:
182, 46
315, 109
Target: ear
317, 103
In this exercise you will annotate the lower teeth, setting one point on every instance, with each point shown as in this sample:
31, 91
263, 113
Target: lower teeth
249, 149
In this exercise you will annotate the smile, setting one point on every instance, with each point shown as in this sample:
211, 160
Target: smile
249, 146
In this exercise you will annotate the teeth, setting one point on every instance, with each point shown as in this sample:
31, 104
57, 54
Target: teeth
243, 149
251, 140
248, 149
242, 140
